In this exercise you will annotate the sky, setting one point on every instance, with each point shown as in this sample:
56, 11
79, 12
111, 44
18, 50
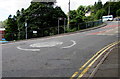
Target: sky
8, 7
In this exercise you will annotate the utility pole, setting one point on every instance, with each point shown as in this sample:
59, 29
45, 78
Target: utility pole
68, 26
109, 8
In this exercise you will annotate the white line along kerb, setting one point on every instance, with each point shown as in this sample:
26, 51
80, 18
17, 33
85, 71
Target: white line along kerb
74, 43
28, 49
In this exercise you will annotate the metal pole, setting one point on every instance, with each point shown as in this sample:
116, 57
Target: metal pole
64, 24
26, 30
86, 25
18, 32
58, 25
109, 8
68, 15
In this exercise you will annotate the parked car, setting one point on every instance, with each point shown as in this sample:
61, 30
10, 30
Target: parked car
117, 19
107, 18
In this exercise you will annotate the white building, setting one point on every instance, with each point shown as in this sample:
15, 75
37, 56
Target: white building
2, 32
88, 14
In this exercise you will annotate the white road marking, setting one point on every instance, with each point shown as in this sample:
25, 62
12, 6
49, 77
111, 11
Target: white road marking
74, 43
28, 49
41, 39
110, 32
46, 44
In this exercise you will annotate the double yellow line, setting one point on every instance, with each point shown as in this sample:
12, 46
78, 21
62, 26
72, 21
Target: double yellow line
93, 60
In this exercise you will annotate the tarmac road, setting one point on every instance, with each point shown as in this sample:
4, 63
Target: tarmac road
58, 56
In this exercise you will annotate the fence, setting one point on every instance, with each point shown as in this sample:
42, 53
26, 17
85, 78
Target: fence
53, 30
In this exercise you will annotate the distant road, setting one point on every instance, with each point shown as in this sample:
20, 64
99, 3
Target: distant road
58, 56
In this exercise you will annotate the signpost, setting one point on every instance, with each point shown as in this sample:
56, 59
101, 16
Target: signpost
59, 24
35, 32
26, 29
64, 24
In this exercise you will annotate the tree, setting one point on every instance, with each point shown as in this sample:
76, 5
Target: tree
81, 10
73, 15
114, 6
100, 13
118, 12
11, 28
97, 6
76, 16
38, 16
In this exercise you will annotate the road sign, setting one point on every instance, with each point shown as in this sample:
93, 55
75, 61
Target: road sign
25, 24
34, 32
60, 18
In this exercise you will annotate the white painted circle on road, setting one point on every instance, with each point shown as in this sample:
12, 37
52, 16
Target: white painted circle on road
27, 49
74, 43
47, 44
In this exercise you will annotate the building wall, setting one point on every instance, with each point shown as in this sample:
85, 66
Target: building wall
2, 33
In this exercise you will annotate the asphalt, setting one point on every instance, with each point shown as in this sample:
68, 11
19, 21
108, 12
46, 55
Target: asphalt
58, 56
110, 67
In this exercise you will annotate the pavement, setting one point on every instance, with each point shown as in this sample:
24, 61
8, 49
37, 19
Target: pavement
3, 40
110, 67
58, 56
88, 29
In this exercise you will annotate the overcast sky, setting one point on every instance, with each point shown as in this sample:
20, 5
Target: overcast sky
8, 7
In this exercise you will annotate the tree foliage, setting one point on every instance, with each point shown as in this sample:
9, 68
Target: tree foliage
38, 16
118, 12
76, 16
114, 6
11, 29
99, 10
100, 13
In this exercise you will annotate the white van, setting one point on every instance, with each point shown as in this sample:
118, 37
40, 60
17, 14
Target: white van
107, 18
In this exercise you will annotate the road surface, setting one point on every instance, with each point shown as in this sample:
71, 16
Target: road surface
58, 56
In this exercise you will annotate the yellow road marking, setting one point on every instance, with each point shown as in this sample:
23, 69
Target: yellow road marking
74, 75
95, 56
91, 59
88, 67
